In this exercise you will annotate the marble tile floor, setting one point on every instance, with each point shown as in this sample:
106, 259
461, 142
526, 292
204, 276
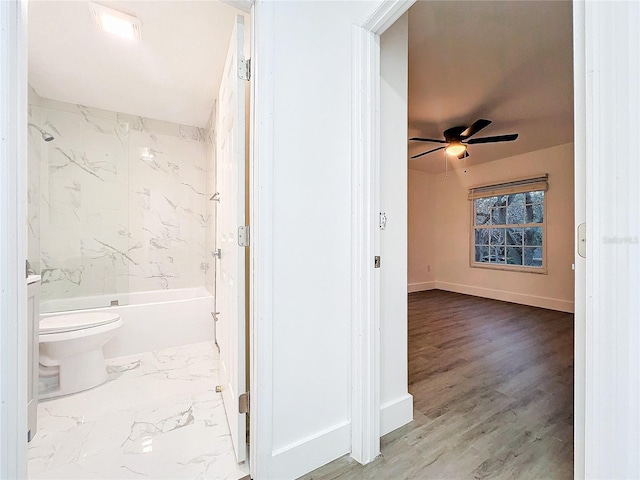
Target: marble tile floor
158, 416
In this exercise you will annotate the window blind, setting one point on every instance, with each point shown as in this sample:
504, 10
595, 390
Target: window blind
531, 184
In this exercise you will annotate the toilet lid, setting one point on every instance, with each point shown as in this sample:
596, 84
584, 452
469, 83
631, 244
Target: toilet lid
76, 321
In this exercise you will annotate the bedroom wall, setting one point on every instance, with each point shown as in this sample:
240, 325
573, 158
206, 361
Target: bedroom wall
421, 225
447, 239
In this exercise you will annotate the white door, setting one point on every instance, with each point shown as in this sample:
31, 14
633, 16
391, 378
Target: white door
230, 271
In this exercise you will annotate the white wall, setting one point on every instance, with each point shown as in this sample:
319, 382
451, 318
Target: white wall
395, 402
309, 288
447, 239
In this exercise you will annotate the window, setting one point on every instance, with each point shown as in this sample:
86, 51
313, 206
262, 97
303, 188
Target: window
509, 225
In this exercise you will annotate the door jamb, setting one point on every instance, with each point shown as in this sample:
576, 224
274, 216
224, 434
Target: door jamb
365, 241
13, 239
365, 195
261, 254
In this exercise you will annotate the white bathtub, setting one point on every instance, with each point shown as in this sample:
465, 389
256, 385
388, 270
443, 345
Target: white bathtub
151, 320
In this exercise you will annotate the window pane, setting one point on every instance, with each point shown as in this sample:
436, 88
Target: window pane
507, 242
482, 236
515, 209
538, 213
499, 216
534, 197
482, 254
497, 255
533, 236
497, 236
482, 211
514, 255
533, 256
515, 236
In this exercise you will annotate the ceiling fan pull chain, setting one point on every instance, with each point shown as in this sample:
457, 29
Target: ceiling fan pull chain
446, 164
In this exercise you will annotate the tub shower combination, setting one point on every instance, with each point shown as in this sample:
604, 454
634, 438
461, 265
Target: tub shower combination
118, 207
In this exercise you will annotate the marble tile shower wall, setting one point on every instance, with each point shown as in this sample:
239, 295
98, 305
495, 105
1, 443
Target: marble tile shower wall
211, 205
35, 145
122, 204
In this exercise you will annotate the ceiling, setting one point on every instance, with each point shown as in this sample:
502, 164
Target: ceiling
507, 61
173, 74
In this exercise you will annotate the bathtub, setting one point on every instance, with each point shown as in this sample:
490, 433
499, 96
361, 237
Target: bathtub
151, 320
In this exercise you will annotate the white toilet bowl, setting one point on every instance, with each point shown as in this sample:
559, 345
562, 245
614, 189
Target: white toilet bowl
71, 351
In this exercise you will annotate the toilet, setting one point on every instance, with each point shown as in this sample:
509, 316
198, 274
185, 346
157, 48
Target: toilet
71, 357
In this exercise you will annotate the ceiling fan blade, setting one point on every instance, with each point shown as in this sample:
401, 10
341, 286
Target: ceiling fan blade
464, 154
428, 140
430, 151
475, 128
497, 138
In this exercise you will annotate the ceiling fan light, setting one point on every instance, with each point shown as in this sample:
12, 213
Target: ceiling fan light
455, 148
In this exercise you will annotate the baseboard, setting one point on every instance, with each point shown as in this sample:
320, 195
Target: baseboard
532, 300
312, 452
396, 413
421, 286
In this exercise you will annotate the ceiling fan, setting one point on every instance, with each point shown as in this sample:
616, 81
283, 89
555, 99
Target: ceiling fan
457, 139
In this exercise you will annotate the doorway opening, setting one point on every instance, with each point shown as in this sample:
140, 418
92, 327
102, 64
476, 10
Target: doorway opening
523, 87
125, 138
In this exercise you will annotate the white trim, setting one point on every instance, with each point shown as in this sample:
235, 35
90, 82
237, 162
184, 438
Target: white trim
580, 289
396, 413
421, 286
13, 238
506, 296
311, 452
261, 221
385, 14
365, 294
612, 330
365, 397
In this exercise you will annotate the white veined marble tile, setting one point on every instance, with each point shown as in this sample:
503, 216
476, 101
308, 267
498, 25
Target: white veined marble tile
135, 184
158, 416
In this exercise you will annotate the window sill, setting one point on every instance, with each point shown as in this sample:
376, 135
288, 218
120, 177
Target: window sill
509, 268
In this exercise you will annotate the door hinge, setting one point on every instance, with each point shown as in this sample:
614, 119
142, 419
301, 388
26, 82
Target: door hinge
376, 261
383, 220
244, 69
243, 403
244, 239
217, 254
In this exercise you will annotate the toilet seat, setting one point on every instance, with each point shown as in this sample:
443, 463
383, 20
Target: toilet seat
76, 321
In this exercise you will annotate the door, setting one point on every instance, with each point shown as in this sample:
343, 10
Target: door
230, 271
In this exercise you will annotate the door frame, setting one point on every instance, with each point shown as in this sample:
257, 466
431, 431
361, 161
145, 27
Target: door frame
365, 234
365, 187
13, 239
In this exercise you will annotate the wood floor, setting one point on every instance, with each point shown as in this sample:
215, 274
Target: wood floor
492, 384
